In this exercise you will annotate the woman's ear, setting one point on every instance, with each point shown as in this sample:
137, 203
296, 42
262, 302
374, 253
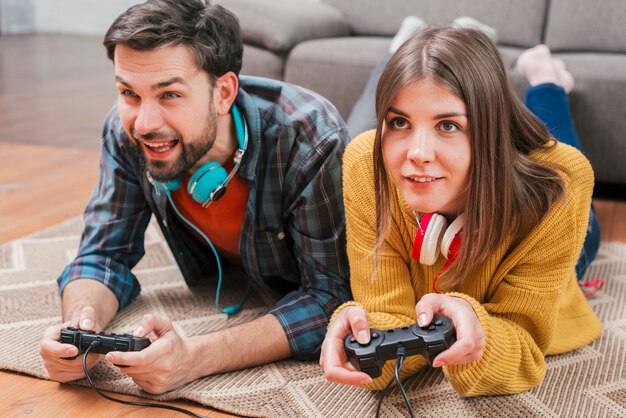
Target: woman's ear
224, 92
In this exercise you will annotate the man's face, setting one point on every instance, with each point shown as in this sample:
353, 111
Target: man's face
166, 106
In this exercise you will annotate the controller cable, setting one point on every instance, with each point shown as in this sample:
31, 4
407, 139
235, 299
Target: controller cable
148, 404
401, 355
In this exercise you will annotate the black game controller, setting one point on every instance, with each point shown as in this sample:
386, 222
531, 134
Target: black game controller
427, 341
107, 342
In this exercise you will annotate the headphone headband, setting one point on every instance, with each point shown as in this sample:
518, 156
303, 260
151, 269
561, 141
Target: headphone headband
241, 132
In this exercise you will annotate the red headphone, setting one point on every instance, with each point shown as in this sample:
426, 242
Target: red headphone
431, 239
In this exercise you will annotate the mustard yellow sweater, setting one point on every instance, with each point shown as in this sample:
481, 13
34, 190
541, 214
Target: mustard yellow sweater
525, 296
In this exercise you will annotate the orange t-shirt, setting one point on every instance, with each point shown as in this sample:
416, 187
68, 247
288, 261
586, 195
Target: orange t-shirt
221, 220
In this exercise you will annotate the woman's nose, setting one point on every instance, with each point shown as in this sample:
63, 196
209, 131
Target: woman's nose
421, 149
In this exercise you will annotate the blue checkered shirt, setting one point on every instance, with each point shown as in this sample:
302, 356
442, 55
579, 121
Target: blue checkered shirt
293, 229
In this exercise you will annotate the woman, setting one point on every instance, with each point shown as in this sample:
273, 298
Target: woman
453, 143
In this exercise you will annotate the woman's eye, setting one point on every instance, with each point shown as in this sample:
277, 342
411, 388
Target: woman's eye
449, 126
398, 123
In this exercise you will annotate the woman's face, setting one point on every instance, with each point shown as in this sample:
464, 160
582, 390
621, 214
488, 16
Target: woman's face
426, 147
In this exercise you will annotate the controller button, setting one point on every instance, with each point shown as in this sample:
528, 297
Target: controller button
375, 335
367, 363
435, 349
352, 340
438, 322
121, 346
431, 328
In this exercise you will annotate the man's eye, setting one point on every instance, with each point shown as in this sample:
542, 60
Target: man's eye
128, 93
170, 95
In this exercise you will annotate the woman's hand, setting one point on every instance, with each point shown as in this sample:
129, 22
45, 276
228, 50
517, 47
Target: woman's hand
333, 358
470, 336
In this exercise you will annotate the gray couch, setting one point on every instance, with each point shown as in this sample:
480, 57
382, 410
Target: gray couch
332, 45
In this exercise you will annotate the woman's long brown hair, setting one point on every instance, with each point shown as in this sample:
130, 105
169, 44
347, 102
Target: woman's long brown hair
507, 192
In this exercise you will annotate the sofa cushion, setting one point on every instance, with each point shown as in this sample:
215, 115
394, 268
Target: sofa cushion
519, 23
262, 63
583, 25
278, 25
336, 68
597, 104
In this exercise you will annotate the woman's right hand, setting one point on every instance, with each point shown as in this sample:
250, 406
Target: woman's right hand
333, 358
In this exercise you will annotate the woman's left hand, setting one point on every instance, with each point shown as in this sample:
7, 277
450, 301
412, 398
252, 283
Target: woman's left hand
470, 336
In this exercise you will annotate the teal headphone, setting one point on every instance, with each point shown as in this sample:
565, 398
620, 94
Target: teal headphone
206, 185
209, 182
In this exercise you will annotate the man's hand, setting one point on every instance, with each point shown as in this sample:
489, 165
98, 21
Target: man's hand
470, 336
88, 305
54, 354
333, 358
166, 364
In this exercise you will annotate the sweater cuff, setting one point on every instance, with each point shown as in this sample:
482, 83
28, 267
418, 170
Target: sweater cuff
344, 306
464, 378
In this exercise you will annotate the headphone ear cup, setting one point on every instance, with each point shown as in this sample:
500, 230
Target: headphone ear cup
451, 241
426, 246
205, 181
168, 186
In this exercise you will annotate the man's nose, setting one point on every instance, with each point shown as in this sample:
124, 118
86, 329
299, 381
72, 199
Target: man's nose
148, 119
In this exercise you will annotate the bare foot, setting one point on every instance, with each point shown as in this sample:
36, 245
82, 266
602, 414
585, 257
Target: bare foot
538, 66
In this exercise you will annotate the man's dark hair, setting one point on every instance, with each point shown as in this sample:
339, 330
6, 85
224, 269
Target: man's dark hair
211, 31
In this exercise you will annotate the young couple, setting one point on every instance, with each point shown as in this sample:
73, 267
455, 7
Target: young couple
453, 145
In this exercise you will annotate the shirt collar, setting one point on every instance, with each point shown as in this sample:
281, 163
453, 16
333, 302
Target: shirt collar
252, 119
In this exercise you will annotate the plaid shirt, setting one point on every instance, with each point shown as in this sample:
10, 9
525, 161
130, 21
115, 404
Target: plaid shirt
293, 229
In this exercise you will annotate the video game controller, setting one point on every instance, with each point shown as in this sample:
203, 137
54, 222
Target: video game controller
108, 342
427, 341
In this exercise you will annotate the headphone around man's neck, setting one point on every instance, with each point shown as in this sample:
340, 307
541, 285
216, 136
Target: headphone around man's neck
206, 185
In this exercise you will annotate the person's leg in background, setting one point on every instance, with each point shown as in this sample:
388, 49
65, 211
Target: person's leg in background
547, 97
363, 115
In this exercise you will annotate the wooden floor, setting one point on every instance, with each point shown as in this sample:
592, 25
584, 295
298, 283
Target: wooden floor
54, 94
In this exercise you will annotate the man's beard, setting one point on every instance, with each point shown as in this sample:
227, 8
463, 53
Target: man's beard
191, 151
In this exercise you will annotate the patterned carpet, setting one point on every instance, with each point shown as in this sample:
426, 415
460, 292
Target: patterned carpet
590, 382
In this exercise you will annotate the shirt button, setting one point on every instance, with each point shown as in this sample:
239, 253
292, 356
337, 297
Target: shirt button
281, 235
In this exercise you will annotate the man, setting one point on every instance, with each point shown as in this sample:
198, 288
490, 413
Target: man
183, 112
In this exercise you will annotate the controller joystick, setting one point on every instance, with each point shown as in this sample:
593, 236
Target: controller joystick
108, 342
426, 341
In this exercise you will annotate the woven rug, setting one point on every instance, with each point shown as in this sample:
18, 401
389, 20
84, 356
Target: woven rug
589, 382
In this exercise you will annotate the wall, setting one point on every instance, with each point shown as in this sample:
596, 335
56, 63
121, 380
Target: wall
85, 17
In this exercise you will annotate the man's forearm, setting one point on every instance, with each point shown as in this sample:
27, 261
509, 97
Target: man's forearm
87, 292
251, 344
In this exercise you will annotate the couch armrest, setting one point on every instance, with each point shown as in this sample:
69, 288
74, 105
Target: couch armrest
278, 25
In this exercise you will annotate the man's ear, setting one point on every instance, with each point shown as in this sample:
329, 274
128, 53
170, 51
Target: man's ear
224, 93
